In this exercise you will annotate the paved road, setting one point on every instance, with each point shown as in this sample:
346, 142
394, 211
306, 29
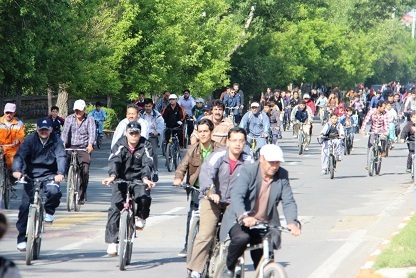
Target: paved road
344, 220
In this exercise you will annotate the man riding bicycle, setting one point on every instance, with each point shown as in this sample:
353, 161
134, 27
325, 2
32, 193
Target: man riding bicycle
335, 131
302, 114
41, 155
174, 116
130, 159
261, 186
191, 166
232, 104
257, 125
218, 175
99, 116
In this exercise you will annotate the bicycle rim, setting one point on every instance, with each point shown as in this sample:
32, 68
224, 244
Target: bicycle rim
38, 240
300, 142
378, 166
331, 166
371, 162
177, 159
69, 189
168, 156
274, 270
122, 249
193, 231
130, 236
77, 190
30, 236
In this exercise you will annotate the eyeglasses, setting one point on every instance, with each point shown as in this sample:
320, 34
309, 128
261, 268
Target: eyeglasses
241, 141
254, 107
8, 112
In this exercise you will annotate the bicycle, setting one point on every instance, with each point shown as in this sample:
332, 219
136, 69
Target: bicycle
286, 118
98, 135
323, 115
254, 151
267, 266
331, 155
302, 141
35, 220
374, 155
127, 227
6, 189
231, 115
348, 139
73, 190
172, 152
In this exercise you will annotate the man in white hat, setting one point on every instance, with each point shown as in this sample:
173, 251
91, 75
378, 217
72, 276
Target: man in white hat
261, 186
12, 132
174, 116
79, 133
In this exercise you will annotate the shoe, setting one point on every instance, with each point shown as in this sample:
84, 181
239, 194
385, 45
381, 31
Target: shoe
383, 154
183, 253
323, 172
295, 137
306, 149
338, 158
227, 273
140, 223
112, 249
279, 137
408, 170
82, 201
21, 246
391, 147
195, 274
49, 218
155, 177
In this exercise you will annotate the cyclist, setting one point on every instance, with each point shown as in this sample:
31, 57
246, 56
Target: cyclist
221, 124
379, 124
41, 155
257, 125
232, 101
393, 120
130, 159
274, 119
156, 126
12, 132
240, 94
174, 116
57, 122
191, 166
187, 102
333, 130
162, 102
79, 132
349, 121
206, 112
408, 133
99, 116
309, 102
302, 114
198, 109
261, 186
375, 99
132, 114
321, 105
220, 169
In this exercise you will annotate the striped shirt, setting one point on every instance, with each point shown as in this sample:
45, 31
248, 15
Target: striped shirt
379, 121
82, 134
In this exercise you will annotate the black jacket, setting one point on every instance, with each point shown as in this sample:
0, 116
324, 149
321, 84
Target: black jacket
40, 160
131, 166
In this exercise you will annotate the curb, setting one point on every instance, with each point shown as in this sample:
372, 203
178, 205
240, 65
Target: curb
366, 270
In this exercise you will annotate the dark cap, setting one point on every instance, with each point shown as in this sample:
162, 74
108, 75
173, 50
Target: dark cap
44, 123
206, 107
133, 127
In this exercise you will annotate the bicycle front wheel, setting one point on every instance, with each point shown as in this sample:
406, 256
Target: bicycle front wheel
193, 231
331, 166
220, 269
274, 270
38, 239
70, 189
371, 162
300, 142
122, 250
169, 157
31, 233
378, 165
177, 159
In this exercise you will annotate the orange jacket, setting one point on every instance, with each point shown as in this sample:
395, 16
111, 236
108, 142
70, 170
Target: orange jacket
8, 134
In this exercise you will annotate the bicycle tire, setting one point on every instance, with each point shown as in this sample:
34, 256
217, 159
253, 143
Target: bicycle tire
220, 269
300, 142
331, 166
370, 163
122, 250
77, 190
178, 159
378, 165
3, 188
412, 171
98, 142
349, 146
38, 239
193, 231
274, 270
69, 189
30, 236
215, 259
346, 145
169, 158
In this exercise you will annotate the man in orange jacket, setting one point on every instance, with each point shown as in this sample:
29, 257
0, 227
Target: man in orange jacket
12, 132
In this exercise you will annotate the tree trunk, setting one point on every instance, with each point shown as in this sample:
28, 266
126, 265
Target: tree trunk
62, 101
49, 91
109, 101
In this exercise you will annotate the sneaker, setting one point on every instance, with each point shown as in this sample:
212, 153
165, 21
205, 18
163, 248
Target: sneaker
155, 177
112, 249
195, 274
21, 246
338, 158
140, 223
323, 172
183, 253
49, 218
279, 136
408, 170
306, 149
295, 137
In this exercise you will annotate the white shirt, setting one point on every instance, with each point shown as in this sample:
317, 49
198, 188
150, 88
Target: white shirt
187, 104
121, 130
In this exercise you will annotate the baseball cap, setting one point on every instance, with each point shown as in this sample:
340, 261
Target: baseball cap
79, 105
272, 152
255, 104
200, 100
173, 96
206, 107
10, 107
133, 127
306, 96
44, 123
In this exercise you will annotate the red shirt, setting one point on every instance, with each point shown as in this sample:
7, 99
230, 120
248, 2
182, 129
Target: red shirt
233, 164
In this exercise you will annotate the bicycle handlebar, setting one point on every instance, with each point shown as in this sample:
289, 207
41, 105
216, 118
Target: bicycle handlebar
37, 180
133, 182
187, 186
74, 149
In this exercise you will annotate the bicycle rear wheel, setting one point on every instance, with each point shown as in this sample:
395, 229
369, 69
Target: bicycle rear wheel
31, 231
220, 269
193, 231
274, 270
70, 189
371, 162
300, 142
331, 166
77, 190
169, 157
122, 250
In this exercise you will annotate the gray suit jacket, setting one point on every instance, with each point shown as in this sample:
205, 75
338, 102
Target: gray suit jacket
244, 195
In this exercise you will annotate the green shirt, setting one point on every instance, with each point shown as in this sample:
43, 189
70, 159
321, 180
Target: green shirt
204, 154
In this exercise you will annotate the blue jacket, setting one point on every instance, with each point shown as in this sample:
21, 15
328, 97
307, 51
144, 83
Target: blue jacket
255, 124
39, 160
230, 101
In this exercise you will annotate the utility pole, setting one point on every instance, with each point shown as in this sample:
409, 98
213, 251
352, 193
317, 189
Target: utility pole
413, 25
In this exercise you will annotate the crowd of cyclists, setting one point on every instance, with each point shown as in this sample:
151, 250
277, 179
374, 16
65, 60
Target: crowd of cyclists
217, 139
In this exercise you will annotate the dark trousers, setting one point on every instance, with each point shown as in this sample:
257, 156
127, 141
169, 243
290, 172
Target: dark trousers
193, 206
168, 134
119, 191
240, 237
190, 125
411, 147
53, 199
84, 160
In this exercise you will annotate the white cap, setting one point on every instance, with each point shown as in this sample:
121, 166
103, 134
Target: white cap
254, 104
306, 96
199, 100
272, 152
173, 96
79, 105
10, 107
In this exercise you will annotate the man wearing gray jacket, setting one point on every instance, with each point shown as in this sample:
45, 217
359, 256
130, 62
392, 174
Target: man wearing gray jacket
261, 186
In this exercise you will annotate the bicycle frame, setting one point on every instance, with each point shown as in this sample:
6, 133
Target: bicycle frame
73, 188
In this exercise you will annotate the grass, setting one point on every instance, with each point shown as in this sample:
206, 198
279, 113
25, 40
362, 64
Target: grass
401, 252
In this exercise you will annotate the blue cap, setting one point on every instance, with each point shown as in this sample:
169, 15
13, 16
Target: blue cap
133, 127
44, 123
206, 107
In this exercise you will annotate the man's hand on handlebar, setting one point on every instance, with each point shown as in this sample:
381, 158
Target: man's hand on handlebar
108, 180
179, 123
177, 182
215, 198
294, 229
249, 221
149, 183
59, 178
17, 175
264, 135
90, 148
